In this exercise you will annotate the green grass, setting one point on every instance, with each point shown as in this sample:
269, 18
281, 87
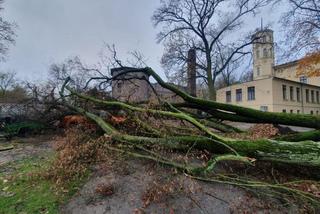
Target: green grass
20, 192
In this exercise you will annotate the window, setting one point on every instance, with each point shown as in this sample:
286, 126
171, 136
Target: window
258, 71
284, 92
258, 54
251, 93
291, 111
317, 97
298, 94
317, 112
303, 79
264, 39
298, 111
265, 52
264, 108
307, 96
312, 96
228, 96
284, 111
239, 95
311, 112
291, 93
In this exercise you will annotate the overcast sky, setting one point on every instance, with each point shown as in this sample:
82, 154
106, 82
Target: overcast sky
52, 30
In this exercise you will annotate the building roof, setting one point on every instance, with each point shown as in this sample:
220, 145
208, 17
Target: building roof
287, 64
263, 30
122, 69
301, 83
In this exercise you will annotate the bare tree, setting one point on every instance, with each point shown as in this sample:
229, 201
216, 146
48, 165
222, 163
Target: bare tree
75, 68
246, 76
7, 81
228, 76
207, 26
302, 26
7, 34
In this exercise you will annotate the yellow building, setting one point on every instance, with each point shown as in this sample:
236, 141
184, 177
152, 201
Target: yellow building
275, 88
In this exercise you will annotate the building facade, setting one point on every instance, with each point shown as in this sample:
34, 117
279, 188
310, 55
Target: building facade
136, 87
275, 88
130, 87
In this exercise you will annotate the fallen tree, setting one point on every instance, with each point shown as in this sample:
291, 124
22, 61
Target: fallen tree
302, 153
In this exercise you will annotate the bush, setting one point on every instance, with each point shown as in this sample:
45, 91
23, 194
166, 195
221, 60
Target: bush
22, 128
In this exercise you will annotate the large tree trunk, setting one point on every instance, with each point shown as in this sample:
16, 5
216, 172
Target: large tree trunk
310, 135
306, 153
209, 105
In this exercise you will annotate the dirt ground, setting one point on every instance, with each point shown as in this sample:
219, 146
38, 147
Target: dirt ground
145, 187
26, 147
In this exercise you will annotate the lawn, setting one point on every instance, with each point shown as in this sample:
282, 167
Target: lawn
23, 190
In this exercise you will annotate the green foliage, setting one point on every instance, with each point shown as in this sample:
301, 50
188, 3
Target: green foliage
22, 128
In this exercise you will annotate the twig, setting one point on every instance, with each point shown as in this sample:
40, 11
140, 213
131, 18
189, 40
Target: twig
2, 149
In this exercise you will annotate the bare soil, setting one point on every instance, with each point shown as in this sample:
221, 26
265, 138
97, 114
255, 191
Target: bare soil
26, 147
143, 187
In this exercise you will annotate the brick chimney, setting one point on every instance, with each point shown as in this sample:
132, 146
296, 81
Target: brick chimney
192, 72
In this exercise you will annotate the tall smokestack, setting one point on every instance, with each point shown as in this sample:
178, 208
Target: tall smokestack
192, 59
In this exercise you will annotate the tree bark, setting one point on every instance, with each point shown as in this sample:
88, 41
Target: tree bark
310, 135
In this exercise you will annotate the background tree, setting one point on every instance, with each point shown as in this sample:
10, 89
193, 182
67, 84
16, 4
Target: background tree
74, 68
302, 26
246, 76
228, 76
207, 26
7, 34
309, 65
7, 81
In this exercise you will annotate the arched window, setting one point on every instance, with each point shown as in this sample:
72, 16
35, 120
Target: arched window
265, 52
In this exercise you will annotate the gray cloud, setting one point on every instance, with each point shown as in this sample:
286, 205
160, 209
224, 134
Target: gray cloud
52, 30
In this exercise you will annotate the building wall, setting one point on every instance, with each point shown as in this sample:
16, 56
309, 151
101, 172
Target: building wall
133, 87
263, 94
164, 94
293, 105
269, 96
130, 89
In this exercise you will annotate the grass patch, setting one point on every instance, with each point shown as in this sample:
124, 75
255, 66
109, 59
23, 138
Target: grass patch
25, 191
